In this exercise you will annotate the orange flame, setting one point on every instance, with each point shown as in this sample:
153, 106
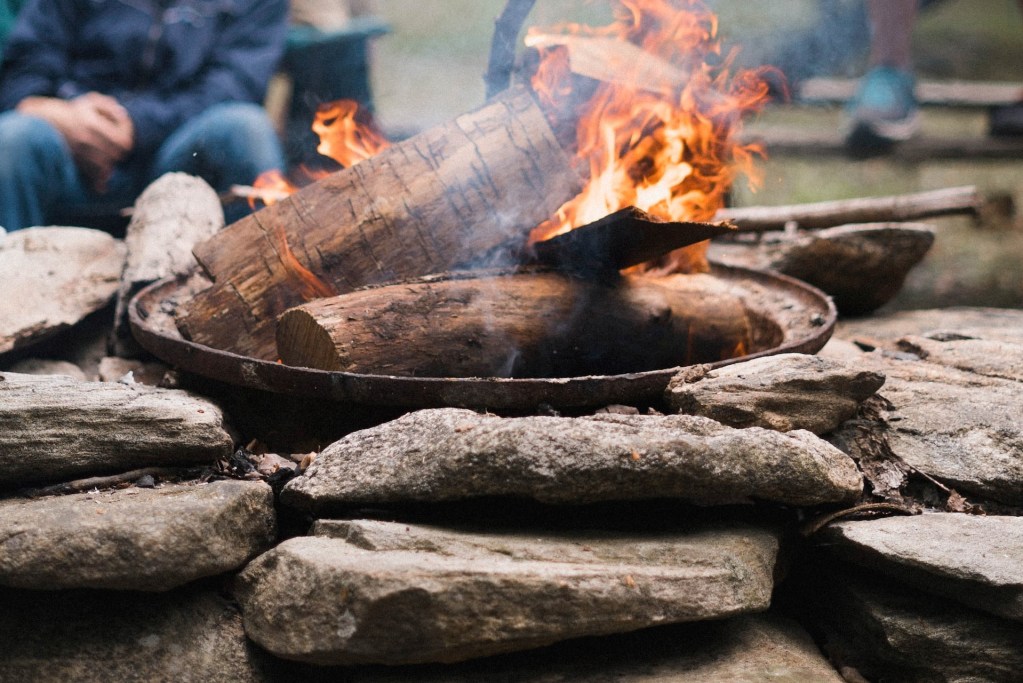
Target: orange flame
346, 135
270, 187
670, 149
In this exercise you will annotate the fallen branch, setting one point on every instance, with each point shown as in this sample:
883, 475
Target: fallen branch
815, 525
90, 483
893, 209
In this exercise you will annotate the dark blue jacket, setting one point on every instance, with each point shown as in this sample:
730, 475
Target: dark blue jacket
164, 60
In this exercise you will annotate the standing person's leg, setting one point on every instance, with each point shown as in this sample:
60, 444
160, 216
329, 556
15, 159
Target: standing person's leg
37, 173
884, 110
228, 144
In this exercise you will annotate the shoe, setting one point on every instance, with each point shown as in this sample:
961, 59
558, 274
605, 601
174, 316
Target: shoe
1006, 121
883, 113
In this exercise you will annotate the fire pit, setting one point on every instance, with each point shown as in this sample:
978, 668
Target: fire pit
785, 315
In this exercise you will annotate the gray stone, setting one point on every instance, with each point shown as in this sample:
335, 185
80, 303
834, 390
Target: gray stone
783, 392
134, 539
988, 357
862, 266
185, 636
54, 428
996, 324
53, 277
43, 366
378, 592
975, 560
746, 649
961, 427
894, 633
452, 454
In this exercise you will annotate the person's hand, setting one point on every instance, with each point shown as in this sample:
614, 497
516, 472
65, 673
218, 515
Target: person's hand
96, 127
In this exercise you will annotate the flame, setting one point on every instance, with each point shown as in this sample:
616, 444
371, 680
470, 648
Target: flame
270, 187
308, 285
347, 135
668, 146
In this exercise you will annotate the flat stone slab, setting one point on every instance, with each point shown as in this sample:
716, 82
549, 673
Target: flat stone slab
784, 392
134, 539
52, 278
746, 649
363, 592
452, 454
95, 637
54, 428
1003, 324
892, 632
961, 427
975, 560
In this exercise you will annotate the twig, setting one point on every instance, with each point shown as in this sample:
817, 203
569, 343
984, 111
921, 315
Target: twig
81, 485
896, 208
502, 49
815, 525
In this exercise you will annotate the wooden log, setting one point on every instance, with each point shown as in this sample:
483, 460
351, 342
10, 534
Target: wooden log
896, 208
623, 239
518, 325
441, 200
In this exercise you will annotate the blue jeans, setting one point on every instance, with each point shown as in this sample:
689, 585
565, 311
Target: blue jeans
228, 144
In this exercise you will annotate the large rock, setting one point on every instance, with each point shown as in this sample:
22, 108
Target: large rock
51, 278
186, 636
452, 454
54, 428
134, 539
379, 592
988, 357
975, 560
891, 632
746, 649
783, 392
1001, 324
961, 427
862, 265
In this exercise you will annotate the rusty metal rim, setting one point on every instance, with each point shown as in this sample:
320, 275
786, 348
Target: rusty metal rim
153, 327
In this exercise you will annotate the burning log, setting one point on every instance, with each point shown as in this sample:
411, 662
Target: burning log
429, 204
520, 325
892, 209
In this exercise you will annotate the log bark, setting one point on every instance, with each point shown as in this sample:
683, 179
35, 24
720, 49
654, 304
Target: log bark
521, 325
439, 201
896, 208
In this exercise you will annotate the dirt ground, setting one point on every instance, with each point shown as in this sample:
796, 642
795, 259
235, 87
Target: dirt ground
429, 69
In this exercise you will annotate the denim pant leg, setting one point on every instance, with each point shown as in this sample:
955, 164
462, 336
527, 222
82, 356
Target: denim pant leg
37, 173
228, 144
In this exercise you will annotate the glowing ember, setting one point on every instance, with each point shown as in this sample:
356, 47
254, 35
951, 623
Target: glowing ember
667, 145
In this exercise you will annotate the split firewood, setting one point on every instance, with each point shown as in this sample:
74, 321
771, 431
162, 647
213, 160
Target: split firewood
897, 208
621, 240
430, 204
519, 325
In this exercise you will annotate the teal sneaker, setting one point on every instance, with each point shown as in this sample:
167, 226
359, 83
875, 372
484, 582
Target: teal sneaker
883, 113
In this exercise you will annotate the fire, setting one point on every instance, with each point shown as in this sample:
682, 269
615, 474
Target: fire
661, 134
346, 135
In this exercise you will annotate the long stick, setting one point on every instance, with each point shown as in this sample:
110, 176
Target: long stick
896, 208
502, 50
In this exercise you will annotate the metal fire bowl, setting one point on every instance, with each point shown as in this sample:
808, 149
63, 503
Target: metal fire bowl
794, 318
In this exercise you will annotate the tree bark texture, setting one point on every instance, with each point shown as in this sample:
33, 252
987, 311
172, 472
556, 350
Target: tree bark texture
449, 198
519, 325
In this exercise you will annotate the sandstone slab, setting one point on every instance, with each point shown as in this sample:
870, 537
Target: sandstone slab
52, 278
892, 632
746, 649
378, 592
185, 636
134, 539
783, 392
452, 454
975, 560
54, 428
1002, 324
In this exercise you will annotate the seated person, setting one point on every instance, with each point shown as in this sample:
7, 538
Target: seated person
98, 99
